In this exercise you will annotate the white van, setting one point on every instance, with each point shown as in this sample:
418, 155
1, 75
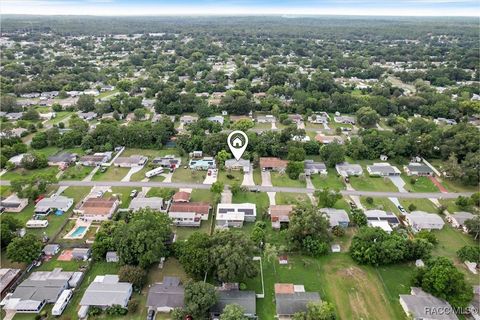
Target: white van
153, 172
62, 302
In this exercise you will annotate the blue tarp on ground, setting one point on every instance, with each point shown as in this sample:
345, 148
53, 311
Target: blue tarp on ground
58, 212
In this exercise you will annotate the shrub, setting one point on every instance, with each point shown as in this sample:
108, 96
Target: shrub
369, 200
94, 311
412, 207
116, 310
338, 231
132, 306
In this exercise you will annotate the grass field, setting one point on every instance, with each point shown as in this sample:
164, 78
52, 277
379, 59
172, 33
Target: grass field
421, 204
124, 194
184, 232
230, 176
60, 117
77, 172
187, 175
257, 176
23, 173
290, 198
331, 180
422, 184
380, 203
365, 183
112, 174
282, 180
259, 198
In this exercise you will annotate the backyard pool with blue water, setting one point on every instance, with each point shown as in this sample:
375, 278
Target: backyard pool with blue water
78, 232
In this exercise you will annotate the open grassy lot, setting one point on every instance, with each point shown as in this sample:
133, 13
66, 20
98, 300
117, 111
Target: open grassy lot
282, 180
77, 172
187, 175
452, 207
140, 175
160, 192
356, 291
381, 204
171, 268
264, 126
331, 180
150, 153
454, 186
124, 194
112, 174
421, 204
257, 176
259, 198
60, 117
290, 198
23, 173
77, 193
366, 183
230, 176
5, 191
47, 151
53, 263
422, 184
184, 232
201, 195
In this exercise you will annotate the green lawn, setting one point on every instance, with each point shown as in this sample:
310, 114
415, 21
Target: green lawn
76, 172
455, 186
184, 232
290, 198
380, 203
140, 175
202, 195
47, 151
422, 184
150, 153
187, 175
124, 194
421, 204
23, 173
230, 176
331, 180
282, 180
112, 174
365, 183
77, 193
60, 116
451, 206
259, 198
161, 192
257, 176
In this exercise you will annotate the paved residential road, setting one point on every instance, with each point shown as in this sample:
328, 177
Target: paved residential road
140, 184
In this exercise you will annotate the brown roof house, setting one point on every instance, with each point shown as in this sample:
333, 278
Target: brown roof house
280, 214
181, 196
97, 209
274, 164
189, 214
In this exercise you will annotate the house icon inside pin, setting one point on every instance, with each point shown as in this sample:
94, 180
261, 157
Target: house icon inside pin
237, 142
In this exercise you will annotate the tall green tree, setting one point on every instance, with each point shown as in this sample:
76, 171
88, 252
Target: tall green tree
199, 298
24, 249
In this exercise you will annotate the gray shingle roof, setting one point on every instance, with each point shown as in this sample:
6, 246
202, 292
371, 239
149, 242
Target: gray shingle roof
245, 299
169, 293
291, 303
107, 292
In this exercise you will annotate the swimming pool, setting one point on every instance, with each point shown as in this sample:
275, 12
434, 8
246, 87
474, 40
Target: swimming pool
78, 232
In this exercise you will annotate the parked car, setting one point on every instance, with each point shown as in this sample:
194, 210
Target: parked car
402, 209
134, 193
103, 169
352, 205
254, 190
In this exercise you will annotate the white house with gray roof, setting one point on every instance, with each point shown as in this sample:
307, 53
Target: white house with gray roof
337, 217
348, 169
155, 203
420, 305
46, 205
312, 167
383, 169
457, 219
420, 220
418, 169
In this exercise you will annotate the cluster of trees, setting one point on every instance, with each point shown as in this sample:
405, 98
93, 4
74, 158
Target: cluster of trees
227, 255
33, 186
376, 247
24, 249
8, 229
10, 147
140, 241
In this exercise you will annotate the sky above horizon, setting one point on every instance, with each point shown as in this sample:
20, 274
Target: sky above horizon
243, 7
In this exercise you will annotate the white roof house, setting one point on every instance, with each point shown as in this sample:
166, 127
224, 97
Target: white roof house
420, 305
383, 169
138, 203
420, 220
58, 202
234, 214
349, 169
382, 224
107, 291
457, 219
337, 217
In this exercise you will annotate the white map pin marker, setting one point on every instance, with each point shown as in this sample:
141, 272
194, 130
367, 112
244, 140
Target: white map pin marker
237, 142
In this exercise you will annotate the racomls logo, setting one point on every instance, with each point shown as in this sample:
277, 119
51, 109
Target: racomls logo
445, 311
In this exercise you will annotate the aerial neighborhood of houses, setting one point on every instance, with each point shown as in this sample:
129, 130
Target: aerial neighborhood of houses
356, 196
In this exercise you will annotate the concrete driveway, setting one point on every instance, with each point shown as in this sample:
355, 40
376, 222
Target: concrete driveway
91, 174
274, 126
131, 173
310, 185
248, 178
266, 179
168, 176
212, 178
398, 182
356, 200
301, 125
271, 198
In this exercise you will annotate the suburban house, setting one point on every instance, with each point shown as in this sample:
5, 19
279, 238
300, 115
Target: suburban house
46, 205
168, 161
97, 209
7, 280
39, 289
234, 214
266, 119
189, 214
280, 214
155, 203
105, 291
17, 160
81, 253
62, 160
418, 169
382, 169
319, 118
273, 164
312, 167
166, 296
130, 162
112, 256
51, 249
181, 196
457, 219
337, 217
87, 116
188, 119
420, 220
290, 299
13, 203
420, 305
245, 299
347, 169
202, 164
96, 159
14, 116
216, 119
380, 215
329, 139
382, 224
15, 132
344, 119
446, 121
234, 164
